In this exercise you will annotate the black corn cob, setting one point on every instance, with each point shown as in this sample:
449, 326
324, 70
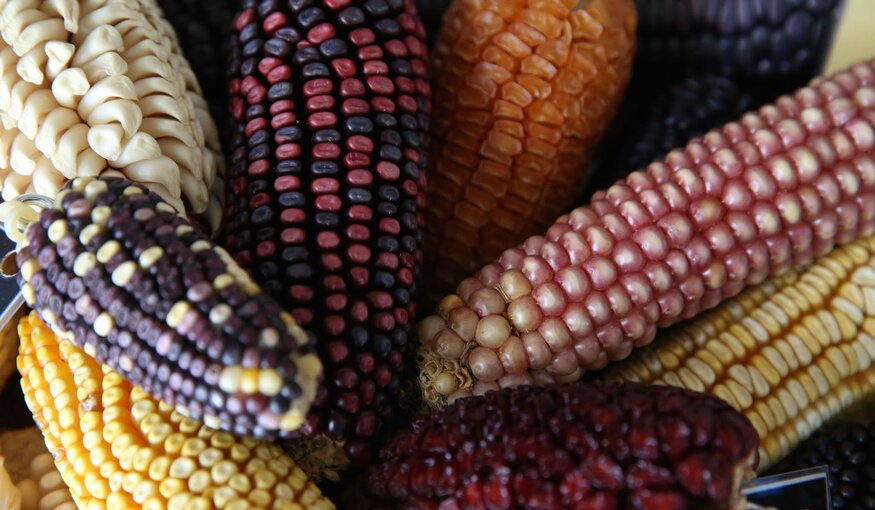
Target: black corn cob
655, 122
330, 104
204, 30
701, 63
755, 39
115, 270
574, 446
432, 14
849, 451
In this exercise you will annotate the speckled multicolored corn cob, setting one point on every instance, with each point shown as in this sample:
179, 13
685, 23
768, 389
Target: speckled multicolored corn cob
849, 451
204, 31
31, 473
115, 270
523, 91
116, 447
581, 446
763, 40
754, 198
790, 353
330, 103
656, 119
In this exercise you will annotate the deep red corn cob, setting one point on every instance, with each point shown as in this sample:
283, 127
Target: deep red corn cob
113, 269
574, 446
331, 104
756, 197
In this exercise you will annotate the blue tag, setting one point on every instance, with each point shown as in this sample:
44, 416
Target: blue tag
807, 489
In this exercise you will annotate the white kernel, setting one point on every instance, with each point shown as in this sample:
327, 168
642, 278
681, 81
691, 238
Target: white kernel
220, 313
57, 230
100, 215
269, 382
132, 190
85, 262
108, 250
123, 273
103, 324
150, 256
177, 312
222, 281
89, 232
230, 378
200, 245
94, 188
165, 207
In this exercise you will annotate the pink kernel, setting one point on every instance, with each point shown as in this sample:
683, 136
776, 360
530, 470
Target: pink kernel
536, 270
652, 242
628, 256
599, 240
601, 272
550, 298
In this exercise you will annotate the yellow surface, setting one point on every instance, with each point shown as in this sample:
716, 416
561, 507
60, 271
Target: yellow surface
855, 37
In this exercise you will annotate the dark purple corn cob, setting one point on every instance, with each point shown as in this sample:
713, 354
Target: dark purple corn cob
115, 270
849, 451
758, 39
572, 446
204, 29
330, 101
654, 123
432, 14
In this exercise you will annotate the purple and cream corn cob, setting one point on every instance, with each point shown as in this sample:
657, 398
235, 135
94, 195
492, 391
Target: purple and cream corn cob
756, 197
115, 270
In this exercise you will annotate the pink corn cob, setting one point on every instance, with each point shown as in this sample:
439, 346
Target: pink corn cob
757, 197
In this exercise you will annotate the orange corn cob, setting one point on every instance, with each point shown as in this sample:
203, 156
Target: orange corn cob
523, 90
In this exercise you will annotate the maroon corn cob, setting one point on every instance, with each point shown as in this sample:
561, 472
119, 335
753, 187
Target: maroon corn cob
574, 446
761, 195
118, 272
330, 100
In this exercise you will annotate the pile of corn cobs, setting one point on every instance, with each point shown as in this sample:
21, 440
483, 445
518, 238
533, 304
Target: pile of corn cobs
221, 328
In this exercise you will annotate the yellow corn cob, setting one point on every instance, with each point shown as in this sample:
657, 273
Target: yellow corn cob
118, 448
29, 479
789, 354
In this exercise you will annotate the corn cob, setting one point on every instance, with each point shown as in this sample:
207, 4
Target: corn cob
789, 354
91, 85
581, 446
432, 14
849, 451
8, 351
31, 472
330, 104
773, 41
754, 198
116, 447
114, 270
204, 31
654, 120
523, 92
10, 496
